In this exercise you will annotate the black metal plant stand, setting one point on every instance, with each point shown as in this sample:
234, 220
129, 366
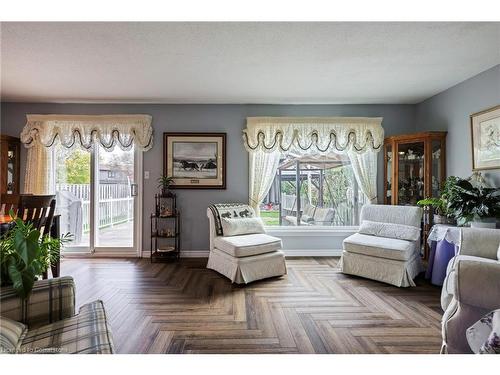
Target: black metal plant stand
165, 228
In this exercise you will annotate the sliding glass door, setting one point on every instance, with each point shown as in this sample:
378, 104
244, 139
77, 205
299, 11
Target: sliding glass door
115, 197
73, 170
97, 199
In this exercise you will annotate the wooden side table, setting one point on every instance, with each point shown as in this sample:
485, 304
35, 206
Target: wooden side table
5, 223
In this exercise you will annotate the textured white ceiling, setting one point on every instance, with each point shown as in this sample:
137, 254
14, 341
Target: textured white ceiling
241, 62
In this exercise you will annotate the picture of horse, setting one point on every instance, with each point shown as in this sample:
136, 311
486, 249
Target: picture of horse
197, 160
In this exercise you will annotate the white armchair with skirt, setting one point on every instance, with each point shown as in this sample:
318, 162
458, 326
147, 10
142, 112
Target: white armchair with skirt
387, 245
239, 247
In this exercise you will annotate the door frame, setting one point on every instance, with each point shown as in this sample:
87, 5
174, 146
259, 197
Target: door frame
93, 251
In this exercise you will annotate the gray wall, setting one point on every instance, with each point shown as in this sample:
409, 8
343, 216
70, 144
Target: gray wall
450, 110
398, 119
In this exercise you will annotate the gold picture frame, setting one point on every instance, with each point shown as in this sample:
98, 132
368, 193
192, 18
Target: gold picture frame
485, 139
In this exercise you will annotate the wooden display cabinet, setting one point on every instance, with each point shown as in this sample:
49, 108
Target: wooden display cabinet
414, 169
10, 148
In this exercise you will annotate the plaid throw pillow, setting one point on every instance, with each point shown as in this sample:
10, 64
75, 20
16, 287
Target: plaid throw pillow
11, 335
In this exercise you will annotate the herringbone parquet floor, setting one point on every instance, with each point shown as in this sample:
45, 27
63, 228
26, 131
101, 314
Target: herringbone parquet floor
185, 308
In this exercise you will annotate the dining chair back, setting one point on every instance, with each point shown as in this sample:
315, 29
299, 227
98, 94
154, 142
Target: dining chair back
38, 210
9, 202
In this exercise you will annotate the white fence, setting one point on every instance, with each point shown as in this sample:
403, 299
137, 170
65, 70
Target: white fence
115, 203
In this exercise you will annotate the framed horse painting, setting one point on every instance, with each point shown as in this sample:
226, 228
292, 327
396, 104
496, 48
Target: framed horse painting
195, 160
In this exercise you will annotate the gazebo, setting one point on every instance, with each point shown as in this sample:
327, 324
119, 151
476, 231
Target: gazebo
311, 169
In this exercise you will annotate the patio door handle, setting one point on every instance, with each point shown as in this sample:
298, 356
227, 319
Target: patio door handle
133, 190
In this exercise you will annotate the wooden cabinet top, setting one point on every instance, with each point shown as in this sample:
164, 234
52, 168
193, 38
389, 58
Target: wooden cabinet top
415, 136
9, 138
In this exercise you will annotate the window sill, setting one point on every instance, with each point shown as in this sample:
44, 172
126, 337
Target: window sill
312, 231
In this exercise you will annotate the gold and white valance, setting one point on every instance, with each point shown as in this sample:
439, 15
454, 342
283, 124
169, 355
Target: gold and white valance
84, 131
322, 134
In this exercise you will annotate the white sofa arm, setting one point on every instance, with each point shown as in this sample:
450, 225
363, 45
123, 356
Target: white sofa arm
478, 283
480, 242
213, 232
449, 284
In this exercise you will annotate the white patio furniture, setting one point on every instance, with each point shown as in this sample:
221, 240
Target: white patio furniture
387, 245
69, 207
242, 258
313, 215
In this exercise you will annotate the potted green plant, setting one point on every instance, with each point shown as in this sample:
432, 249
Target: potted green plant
477, 205
440, 204
25, 255
440, 211
164, 182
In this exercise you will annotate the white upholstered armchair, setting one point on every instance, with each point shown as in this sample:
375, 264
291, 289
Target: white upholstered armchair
387, 245
472, 286
239, 247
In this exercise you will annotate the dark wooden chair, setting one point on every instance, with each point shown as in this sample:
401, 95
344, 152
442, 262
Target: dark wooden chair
38, 210
9, 202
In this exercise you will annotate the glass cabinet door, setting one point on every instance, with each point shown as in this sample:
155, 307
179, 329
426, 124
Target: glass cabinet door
410, 173
388, 182
437, 172
9, 164
12, 168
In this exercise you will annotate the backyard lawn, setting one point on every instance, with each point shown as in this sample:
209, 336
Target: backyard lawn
270, 217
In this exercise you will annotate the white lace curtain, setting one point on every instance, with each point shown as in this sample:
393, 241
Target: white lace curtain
38, 175
263, 168
364, 167
266, 138
42, 132
70, 131
323, 134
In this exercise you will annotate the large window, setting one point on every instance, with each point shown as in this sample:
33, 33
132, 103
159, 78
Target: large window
313, 190
312, 171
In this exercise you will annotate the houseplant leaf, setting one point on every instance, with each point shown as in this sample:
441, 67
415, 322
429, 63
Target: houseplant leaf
22, 279
27, 245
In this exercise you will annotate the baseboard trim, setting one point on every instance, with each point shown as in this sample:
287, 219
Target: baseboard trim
288, 253
194, 254
184, 254
100, 255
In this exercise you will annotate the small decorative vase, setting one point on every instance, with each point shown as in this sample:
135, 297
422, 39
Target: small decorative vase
440, 219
